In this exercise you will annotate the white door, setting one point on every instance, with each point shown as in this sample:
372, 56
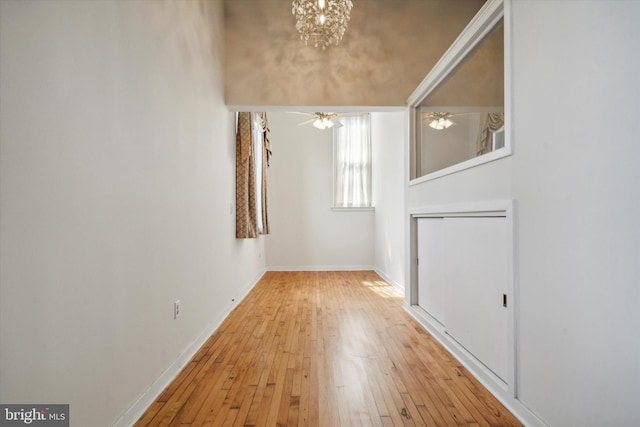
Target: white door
476, 281
431, 258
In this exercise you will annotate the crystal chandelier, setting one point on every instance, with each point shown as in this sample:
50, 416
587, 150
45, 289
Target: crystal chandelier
321, 22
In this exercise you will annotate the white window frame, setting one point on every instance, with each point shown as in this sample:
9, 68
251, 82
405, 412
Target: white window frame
350, 206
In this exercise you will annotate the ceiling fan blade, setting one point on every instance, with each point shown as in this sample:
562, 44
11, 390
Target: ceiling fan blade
307, 122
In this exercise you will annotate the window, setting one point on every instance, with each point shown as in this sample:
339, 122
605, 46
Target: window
258, 141
352, 163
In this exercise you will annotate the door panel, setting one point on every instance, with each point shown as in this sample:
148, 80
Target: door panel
476, 279
431, 259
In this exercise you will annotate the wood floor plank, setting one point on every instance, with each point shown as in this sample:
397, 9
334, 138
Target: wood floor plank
256, 403
328, 349
243, 410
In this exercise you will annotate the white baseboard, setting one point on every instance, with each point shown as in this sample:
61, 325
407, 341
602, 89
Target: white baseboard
398, 286
483, 375
146, 399
320, 268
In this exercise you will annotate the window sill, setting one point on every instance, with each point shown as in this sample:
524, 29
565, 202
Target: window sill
353, 209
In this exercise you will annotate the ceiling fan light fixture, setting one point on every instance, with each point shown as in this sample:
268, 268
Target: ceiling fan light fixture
323, 123
439, 121
440, 124
321, 22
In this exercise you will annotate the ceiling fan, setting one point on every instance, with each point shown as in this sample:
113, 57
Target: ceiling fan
322, 120
441, 120
438, 120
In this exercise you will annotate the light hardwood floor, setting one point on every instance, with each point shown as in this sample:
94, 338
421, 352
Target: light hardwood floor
324, 349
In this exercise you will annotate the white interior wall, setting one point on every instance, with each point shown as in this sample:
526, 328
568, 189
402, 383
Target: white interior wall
388, 132
306, 234
576, 181
116, 191
488, 181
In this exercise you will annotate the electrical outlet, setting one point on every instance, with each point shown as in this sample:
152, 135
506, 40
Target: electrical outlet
176, 309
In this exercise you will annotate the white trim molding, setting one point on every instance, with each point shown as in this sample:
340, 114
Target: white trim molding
146, 399
507, 393
474, 33
353, 209
481, 24
502, 208
320, 268
397, 286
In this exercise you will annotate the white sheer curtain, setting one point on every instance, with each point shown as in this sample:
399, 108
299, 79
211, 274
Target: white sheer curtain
257, 136
352, 163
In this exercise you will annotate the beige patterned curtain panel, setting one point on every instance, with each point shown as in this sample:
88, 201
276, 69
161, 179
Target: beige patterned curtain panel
247, 198
266, 156
489, 123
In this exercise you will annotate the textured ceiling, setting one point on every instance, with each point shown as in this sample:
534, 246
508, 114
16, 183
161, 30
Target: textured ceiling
479, 80
388, 48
